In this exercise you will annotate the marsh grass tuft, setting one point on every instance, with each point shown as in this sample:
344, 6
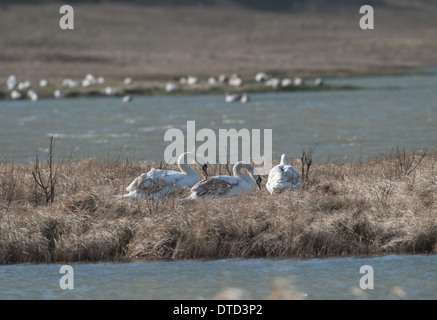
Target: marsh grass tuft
346, 208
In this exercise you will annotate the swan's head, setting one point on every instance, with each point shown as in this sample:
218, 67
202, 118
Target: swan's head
284, 160
202, 163
258, 182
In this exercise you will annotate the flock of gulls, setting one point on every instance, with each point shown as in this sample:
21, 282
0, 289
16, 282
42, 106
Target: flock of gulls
158, 183
22, 89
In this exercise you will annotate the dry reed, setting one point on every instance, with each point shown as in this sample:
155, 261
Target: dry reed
356, 208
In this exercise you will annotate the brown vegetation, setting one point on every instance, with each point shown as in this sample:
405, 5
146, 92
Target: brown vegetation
358, 208
159, 42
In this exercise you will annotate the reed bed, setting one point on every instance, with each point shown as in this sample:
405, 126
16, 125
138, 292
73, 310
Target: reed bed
367, 207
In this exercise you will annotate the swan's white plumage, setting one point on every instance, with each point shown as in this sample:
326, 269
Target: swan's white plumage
283, 177
226, 186
232, 97
159, 183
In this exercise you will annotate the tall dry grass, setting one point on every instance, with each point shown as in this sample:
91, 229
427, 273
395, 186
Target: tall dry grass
357, 208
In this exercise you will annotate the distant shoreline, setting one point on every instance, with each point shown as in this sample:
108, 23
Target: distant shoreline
161, 43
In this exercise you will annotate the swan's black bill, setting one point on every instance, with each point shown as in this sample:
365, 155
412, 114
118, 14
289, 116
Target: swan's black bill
258, 182
205, 169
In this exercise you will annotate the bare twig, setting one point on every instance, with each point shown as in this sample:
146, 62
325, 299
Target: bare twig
11, 186
46, 184
407, 163
307, 161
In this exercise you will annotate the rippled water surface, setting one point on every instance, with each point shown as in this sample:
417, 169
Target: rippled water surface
386, 112
394, 277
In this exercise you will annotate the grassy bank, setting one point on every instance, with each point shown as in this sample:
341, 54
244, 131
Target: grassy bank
383, 205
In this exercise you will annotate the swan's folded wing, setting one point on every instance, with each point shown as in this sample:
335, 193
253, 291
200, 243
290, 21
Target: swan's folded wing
276, 174
136, 183
213, 187
154, 181
291, 175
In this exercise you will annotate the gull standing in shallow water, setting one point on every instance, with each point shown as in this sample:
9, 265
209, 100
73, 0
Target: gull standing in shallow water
227, 186
159, 183
282, 177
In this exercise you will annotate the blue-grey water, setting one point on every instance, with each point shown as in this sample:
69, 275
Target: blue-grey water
387, 112
394, 277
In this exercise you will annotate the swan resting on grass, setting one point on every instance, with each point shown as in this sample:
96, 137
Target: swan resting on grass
159, 183
227, 186
282, 177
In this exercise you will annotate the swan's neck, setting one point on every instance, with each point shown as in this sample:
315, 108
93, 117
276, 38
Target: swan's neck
284, 160
185, 168
239, 174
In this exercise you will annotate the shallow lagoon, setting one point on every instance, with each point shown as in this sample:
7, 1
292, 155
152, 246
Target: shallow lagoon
386, 112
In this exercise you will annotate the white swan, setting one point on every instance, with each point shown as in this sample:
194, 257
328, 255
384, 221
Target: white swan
70, 83
282, 177
244, 98
235, 97
223, 78
235, 80
25, 85
32, 95
275, 83
229, 97
58, 94
15, 95
110, 92
12, 82
318, 82
298, 81
192, 80
127, 98
171, 87
287, 82
159, 183
227, 186
261, 77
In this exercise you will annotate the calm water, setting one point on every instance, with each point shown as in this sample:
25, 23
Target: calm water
394, 277
389, 111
